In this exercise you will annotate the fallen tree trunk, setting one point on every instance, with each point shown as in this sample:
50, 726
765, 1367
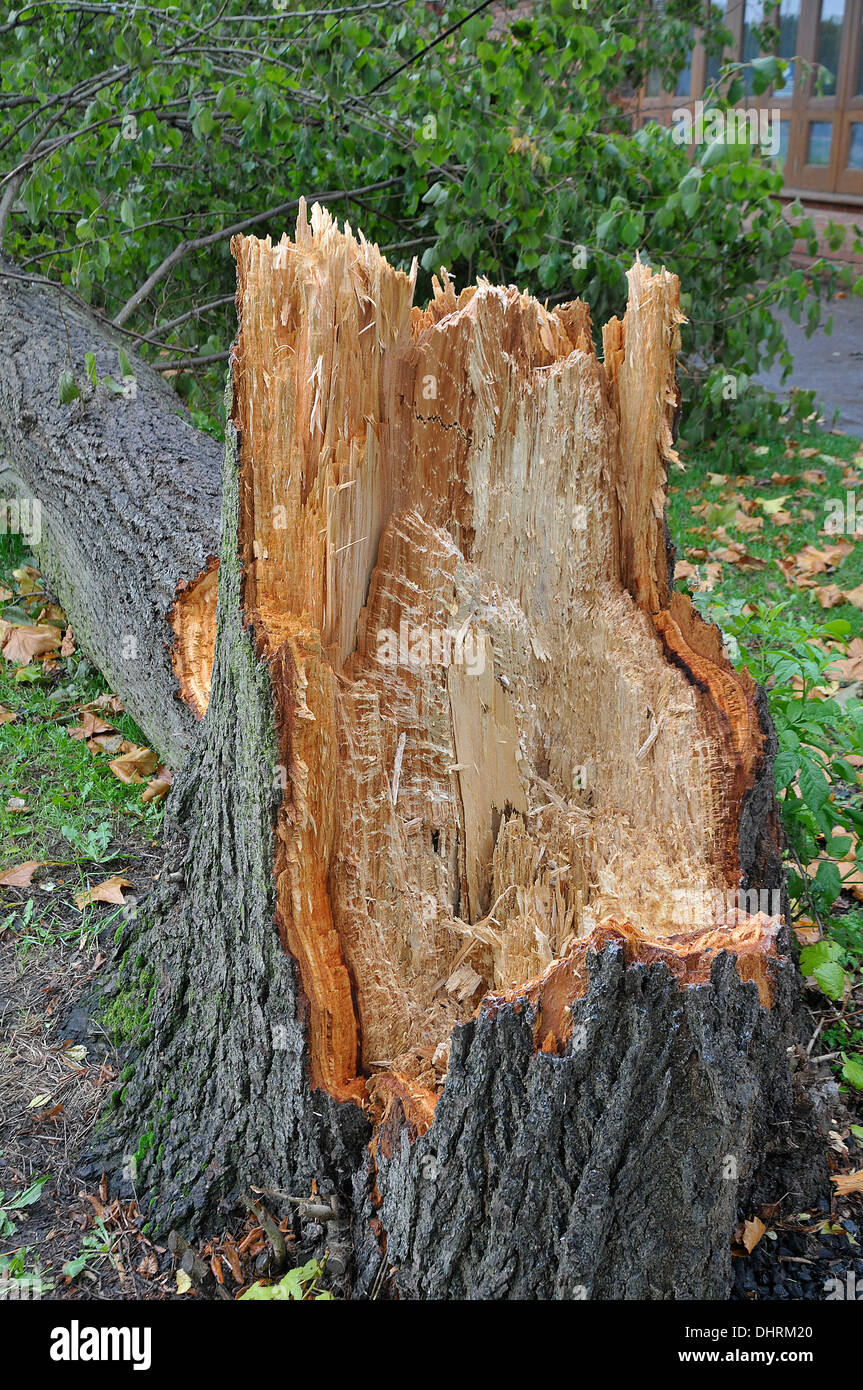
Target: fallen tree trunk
121, 496
452, 928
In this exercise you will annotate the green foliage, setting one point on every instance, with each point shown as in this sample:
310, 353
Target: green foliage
300, 1283
134, 132
18, 1203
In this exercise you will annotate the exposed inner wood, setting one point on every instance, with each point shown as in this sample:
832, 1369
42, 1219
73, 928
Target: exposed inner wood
193, 618
500, 732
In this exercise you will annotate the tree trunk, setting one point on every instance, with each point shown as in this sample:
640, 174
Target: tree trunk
452, 928
120, 496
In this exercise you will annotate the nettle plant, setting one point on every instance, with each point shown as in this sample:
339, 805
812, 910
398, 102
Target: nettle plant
138, 138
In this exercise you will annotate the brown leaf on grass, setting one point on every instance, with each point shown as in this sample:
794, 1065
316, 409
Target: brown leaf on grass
747, 524
855, 596
850, 667
135, 765
814, 476
159, 787
23, 643
734, 554
109, 743
21, 876
5, 594
67, 646
683, 570
108, 892
90, 725
7, 715
105, 702
847, 1183
16, 805
828, 595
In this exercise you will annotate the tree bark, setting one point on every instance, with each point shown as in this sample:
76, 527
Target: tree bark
128, 497
451, 928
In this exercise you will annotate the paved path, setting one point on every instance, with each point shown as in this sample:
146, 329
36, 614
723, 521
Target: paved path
832, 367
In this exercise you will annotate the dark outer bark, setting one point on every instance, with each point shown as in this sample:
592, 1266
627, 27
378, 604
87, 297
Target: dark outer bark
595, 1174
129, 493
598, 1174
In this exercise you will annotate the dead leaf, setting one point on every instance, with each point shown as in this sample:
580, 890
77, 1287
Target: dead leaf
107, 892
16, 805
159, 787
7, 715
828, 595
855, 596
105, 701
184, 1283
90, 725
67, 646
23, 643
752, 1232
21, 876
135, 765
847, 1183
29, 580
149, 1266
850, 667
5, 594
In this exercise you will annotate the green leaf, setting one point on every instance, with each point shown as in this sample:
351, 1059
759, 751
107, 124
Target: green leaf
831, 978
125, 364
72, 1268
28, 1196
852, 1071
68, 387
822, 953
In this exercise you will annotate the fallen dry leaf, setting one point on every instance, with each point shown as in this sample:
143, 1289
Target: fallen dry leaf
21, 876
16, 805
159, 787
850, 667
105, 701
23, 643
848, 1183
90, 725
855, 596
107, 892
829, 595
67, 646
135, 765
7, 715
752, 1232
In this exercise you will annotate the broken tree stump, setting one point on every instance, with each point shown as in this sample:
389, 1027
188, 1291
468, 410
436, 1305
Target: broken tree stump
455, 928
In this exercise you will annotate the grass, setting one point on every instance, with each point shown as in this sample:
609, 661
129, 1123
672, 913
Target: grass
789, 641
79, 821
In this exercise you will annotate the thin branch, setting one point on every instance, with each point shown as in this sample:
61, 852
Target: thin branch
185, 247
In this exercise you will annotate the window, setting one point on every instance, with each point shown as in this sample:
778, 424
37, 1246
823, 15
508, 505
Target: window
818, 148
829, 34
855, 146
789, 15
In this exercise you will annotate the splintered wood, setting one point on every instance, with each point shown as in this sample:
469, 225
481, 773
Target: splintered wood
500, 734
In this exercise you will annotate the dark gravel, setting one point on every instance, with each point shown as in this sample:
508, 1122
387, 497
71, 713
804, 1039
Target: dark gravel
801, 1263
